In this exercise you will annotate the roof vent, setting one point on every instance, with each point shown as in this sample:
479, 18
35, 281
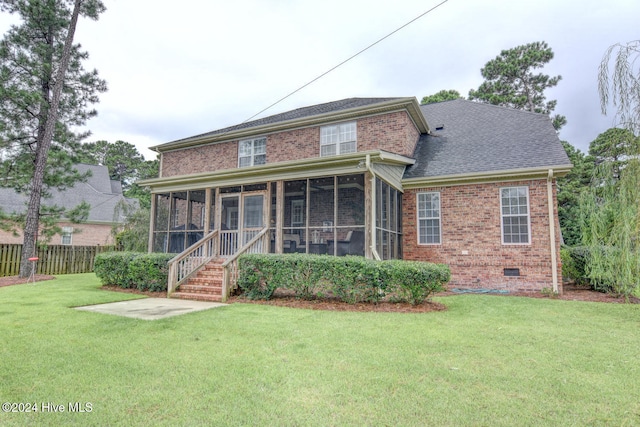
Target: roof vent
439, 127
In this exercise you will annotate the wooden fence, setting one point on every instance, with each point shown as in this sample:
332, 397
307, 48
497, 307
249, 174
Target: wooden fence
52, 259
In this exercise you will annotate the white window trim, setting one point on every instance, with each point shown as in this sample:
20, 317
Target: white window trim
297, 204
252, 156
339, 142
439, 217
66, 232
502, 216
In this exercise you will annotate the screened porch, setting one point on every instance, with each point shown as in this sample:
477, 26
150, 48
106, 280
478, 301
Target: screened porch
350, 214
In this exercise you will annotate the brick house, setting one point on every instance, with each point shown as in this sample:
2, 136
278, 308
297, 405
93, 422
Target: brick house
99, 191
458, 182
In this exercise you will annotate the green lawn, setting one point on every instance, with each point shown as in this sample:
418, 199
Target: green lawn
488, 360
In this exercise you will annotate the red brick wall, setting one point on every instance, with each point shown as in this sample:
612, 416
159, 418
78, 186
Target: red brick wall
394, 132
470, 221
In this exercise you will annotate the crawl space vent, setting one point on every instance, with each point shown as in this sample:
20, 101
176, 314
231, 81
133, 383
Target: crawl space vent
512, 272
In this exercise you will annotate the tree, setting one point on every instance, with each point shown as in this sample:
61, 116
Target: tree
570, 188
623, 88
122, 158
610, 211
133, 235
45, 93
614, 148
443, 95
510, 81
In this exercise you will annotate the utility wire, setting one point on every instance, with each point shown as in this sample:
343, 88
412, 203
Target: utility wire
346, 60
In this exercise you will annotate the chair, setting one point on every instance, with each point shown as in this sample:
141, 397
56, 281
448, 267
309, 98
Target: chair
292, 243
353, 244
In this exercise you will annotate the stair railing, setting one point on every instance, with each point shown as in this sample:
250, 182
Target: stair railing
189, 261
257, 245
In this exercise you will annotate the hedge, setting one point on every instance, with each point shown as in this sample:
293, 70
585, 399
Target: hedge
140, 270
350, 279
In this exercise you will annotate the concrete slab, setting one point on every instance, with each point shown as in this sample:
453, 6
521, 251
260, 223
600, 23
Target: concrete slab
151, 308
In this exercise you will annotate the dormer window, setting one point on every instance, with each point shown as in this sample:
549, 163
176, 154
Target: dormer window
252, 152
338, 139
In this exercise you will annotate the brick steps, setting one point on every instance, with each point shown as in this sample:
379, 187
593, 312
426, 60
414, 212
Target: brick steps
206, 285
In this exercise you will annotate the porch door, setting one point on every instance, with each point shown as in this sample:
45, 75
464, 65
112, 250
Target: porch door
243, 217
252, 216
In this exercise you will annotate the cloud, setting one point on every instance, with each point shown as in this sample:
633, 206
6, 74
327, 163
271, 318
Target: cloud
176, 70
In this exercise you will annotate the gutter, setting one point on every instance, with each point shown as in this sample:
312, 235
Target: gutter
552, 232
486, 176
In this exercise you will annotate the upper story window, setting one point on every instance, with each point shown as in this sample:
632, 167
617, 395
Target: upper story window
252, 152
514, 205
338, 139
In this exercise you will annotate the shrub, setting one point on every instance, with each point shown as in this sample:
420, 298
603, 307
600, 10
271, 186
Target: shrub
354, 279
259, 276
350, 279
112, 268
150, 271
414, 281
133, 270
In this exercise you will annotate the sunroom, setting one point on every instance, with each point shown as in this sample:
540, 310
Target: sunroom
343, 205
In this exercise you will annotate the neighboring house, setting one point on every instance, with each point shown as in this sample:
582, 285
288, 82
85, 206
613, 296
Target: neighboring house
467, 184
100, 192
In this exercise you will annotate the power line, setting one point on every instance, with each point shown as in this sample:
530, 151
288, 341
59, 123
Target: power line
346, 60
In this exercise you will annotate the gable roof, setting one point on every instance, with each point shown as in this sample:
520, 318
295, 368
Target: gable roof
344, 109
100, 192
470, 138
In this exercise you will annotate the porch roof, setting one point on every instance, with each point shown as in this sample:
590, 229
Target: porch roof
298, 169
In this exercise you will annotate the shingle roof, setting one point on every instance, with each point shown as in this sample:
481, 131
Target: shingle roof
481, 138
314, 110
99, 191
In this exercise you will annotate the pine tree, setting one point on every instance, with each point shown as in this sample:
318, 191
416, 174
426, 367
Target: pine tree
510, 81
45, 94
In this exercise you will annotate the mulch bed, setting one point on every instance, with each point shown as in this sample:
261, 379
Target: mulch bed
571, 293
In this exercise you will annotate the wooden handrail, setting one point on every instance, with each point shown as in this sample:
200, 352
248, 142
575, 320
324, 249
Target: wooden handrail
189, 261
231, 264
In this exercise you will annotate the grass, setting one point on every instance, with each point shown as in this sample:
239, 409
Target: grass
488, 360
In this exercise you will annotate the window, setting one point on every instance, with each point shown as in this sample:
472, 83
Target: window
67, 233
514, 205
297, 213
252, 152
338, 139
429, 218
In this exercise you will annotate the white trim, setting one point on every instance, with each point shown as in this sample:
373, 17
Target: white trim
66, 232
336, 140
253, 154
502, 216
439, 217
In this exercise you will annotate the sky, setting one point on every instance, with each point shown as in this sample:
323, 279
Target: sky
178, 69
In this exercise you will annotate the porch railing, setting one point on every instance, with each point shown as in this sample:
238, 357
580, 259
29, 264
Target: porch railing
258, 244
185, 264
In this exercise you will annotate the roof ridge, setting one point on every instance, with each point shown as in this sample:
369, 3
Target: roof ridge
470, 101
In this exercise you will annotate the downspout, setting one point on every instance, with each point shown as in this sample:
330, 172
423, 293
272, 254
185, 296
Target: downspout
373, 246
552, 232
